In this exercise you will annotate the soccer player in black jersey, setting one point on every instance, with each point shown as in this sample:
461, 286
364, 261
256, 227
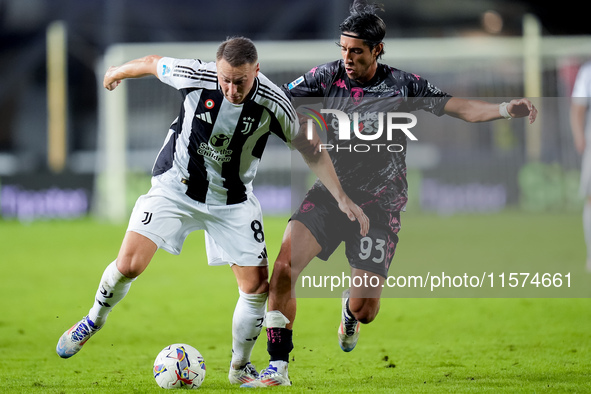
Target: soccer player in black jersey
377, 183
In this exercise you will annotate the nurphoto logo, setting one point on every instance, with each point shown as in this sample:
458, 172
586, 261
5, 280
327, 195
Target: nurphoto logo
342, 122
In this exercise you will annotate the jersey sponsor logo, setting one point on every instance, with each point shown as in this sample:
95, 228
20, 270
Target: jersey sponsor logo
166, 70
206, 117
219, 140
217, 155
295, 83
216, 148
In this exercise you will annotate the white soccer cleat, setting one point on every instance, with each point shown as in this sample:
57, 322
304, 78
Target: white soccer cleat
72, 340
349, 327
268, 378
246, 374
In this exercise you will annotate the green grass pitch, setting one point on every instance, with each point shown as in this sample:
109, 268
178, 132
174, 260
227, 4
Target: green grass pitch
50, 272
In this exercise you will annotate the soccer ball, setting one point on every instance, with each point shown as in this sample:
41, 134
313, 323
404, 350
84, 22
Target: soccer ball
179, 366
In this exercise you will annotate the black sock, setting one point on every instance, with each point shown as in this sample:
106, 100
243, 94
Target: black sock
279, 343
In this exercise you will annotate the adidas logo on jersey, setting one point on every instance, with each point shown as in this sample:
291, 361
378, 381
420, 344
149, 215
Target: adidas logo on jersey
206, 117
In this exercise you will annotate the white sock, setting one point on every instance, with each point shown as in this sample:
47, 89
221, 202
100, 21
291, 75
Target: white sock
587, 227
113, 287
246, 326
280, 366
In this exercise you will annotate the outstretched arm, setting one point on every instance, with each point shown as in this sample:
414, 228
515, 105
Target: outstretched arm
481, 111
321, 164
133, 69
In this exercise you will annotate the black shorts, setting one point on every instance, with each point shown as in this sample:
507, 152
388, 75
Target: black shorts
374, 252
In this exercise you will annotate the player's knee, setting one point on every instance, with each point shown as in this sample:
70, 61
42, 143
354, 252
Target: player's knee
254, 284
281, 279
255, 287
129, 267
282, 268
135, 254
252, 280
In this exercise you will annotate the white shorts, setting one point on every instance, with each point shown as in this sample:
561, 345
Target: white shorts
233, 233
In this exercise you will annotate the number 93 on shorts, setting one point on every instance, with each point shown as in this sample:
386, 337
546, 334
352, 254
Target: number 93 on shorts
373, 252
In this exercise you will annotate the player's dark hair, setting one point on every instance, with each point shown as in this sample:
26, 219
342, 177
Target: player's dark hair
365, 24
237, 51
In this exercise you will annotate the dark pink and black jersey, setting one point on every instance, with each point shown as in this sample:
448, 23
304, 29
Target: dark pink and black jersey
370, 170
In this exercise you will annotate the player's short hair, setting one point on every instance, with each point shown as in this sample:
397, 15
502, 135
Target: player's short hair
364, 23
237, 51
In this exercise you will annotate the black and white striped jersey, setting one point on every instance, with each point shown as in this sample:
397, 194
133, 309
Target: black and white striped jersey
215, 144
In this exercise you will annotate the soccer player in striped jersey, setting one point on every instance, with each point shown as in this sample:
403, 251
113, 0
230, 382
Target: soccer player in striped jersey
202, 180
359, 84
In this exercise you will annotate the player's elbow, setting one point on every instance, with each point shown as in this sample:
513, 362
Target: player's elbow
474, 119
151, 59
471, 111
149, 65
471, 116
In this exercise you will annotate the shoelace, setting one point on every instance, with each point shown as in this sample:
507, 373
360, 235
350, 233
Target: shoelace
268, 371
81, 332
251, 370
350, 325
